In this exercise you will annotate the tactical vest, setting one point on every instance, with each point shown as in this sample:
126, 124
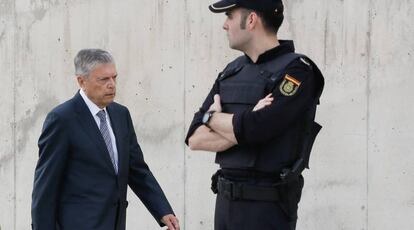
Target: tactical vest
241, 85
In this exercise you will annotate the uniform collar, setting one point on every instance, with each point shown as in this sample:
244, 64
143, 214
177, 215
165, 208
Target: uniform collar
286, 46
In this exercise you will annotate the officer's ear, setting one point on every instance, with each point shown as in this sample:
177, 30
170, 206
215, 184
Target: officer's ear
252, 20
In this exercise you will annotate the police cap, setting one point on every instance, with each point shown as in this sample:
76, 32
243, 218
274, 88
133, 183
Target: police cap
265, 6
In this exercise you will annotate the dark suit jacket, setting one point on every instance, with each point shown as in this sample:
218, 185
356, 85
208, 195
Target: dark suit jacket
75, 185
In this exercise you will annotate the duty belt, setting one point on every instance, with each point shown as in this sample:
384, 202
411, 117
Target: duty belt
241, 191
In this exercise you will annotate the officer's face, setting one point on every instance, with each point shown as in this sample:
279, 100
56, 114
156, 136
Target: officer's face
237, 36
100, 85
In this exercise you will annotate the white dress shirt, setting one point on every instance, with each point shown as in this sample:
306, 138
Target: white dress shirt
94, 109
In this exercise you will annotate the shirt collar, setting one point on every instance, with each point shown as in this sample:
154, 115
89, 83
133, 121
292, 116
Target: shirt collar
286, 46
92, 106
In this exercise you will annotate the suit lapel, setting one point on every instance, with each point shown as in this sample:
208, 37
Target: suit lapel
89, 126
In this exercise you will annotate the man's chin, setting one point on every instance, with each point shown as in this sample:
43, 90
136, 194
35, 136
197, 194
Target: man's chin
109, 100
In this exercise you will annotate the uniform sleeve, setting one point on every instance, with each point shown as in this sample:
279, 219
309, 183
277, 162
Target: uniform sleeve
292, 95
53, 151
197, 120
142, 181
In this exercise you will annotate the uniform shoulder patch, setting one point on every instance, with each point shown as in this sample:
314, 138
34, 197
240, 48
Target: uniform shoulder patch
289, 85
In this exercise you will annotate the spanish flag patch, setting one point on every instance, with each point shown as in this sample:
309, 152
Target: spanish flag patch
289, 85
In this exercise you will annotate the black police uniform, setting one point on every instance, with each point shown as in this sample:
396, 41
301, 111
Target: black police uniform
251, 193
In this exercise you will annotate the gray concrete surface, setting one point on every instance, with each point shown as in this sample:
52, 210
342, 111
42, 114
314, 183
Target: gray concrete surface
169, 52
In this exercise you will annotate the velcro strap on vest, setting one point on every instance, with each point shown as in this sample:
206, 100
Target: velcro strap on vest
241, 191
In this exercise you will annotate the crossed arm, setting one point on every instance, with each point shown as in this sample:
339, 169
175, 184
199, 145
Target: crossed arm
206, 139
220, 136
268, 119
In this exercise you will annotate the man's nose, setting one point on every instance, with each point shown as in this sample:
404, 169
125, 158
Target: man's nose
112, 83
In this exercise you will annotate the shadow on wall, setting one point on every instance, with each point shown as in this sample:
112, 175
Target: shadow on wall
25, 124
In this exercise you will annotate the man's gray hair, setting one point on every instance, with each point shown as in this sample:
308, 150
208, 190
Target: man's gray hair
87, 59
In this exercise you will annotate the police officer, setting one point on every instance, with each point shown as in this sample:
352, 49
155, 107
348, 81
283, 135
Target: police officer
259, 118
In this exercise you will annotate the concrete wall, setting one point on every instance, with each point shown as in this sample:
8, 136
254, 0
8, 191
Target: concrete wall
168, 54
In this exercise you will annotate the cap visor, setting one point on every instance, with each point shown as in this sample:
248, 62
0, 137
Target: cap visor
222, 6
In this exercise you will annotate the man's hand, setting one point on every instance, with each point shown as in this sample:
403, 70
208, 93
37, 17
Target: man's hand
171, 221
266, 101
216, 106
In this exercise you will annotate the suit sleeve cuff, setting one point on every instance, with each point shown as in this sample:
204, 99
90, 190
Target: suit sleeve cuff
162, 215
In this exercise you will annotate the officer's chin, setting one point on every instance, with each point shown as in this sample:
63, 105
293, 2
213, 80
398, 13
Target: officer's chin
235, 47
232, 46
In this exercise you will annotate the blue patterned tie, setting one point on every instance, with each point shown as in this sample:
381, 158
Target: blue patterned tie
103, 127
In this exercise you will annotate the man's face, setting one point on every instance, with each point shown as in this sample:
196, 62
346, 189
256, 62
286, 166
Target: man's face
100, 86
238, 37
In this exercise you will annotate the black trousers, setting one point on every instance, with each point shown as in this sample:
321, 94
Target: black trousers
260, 215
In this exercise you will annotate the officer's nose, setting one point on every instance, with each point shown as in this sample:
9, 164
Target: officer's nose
225, 26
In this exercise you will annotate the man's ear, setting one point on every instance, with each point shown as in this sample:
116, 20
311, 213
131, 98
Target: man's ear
81, 81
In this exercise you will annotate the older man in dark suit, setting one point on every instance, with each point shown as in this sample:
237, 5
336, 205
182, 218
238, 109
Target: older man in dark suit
88, 154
